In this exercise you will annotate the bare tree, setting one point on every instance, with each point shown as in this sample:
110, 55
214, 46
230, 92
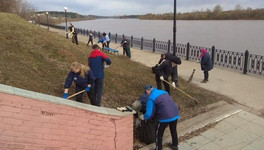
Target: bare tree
218, 8
238, 7
20, 7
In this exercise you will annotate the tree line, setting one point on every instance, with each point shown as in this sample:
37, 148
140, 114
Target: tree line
239, 13
20, 7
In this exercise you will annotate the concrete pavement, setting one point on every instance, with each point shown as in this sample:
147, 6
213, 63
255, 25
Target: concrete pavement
242, 131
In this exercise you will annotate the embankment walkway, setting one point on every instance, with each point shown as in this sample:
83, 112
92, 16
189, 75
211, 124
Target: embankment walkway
247, 90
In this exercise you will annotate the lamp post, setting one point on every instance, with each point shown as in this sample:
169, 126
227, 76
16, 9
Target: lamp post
65, 9
34, 19
47, 13
38, 20
174, 40
174, 28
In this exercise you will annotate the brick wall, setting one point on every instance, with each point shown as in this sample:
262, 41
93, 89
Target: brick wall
40, 125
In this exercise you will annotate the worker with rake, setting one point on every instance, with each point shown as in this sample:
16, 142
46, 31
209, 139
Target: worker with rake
84, 79
167, 69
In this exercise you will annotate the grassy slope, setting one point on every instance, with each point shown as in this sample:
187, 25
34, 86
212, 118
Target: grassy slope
35, 59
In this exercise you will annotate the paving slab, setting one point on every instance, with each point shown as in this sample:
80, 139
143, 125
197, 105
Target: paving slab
258, 143
237, 132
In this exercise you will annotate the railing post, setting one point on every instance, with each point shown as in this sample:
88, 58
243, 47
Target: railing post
131, 41
188, 51
154, 45
213, 55
169, 46
142, 40
116, 38
246, 62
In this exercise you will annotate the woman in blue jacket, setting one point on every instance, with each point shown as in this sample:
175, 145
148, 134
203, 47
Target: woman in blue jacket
161, 105
206, 64
83, 78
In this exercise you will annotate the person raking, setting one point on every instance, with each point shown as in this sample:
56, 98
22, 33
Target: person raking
83, 78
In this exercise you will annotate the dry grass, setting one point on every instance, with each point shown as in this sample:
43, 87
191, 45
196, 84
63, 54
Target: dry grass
35, 59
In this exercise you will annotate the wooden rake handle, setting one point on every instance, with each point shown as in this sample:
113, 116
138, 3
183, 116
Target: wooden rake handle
75, 94
196, 102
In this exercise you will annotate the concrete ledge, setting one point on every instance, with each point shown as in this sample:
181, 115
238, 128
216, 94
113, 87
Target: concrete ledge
57, 100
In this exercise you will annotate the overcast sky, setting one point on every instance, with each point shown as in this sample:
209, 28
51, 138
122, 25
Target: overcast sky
128, 7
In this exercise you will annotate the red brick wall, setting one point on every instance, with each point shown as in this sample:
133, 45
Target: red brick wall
39, 125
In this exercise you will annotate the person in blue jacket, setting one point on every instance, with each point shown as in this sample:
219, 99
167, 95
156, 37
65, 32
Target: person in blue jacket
96, 62
161, 105
101, 40
84, 79
206, 64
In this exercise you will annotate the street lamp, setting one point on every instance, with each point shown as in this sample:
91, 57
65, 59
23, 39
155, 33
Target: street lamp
66, 28
174, 40
174, 28
38, 20
47, 13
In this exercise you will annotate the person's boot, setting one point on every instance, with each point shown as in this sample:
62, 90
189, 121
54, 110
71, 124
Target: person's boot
204, 81
173, 147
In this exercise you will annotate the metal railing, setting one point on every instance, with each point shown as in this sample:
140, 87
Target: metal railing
243, 62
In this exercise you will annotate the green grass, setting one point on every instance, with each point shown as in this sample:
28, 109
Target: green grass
36, 59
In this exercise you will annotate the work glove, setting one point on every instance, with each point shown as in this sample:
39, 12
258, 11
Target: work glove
87, 89
106, 66
161, 78
65, 95
141, 117
137, 123
173, 85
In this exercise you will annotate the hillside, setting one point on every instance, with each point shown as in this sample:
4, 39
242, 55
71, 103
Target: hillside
36, 59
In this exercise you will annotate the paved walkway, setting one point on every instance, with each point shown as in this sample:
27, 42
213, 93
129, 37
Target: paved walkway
243, 131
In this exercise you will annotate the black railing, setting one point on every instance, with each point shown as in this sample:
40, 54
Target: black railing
244, 62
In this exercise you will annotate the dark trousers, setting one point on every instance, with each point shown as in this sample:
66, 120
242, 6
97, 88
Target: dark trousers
90, 40
160, 131
107, 44
206, 75
75, 39
99, 89
126, 51
79, 98
166, 85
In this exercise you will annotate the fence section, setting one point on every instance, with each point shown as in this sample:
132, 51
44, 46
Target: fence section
256, 64
244, 62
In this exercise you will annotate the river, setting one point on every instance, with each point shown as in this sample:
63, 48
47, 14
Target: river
239, 35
